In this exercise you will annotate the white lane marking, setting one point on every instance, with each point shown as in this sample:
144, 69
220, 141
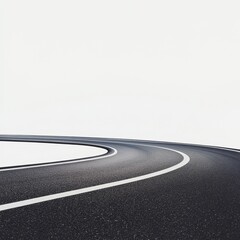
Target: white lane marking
114, 152
27, 202
226, 149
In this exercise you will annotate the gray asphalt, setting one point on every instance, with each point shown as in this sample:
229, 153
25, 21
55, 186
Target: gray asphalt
201, 200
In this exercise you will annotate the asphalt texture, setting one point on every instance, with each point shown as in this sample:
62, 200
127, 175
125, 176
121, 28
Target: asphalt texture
200, 200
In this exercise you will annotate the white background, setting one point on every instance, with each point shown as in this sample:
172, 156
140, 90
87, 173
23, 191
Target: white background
19, 153
164, 70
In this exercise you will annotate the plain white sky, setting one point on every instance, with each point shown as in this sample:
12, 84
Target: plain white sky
164, 70
15, 153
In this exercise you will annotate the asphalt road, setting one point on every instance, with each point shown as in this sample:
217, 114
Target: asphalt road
138, 190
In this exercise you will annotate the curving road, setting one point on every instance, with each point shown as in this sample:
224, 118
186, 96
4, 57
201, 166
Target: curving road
138, 190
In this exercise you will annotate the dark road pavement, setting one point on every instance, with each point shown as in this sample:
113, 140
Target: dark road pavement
138, 190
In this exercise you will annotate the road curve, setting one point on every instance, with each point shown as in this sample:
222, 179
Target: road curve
138, 190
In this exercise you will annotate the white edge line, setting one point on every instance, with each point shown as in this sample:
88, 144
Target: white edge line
106, 155
226, 149
27, 202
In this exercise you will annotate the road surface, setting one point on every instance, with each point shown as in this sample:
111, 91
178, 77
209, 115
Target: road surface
138, 190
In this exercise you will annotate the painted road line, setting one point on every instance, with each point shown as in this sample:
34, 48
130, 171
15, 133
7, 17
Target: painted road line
106, 155
51, 197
